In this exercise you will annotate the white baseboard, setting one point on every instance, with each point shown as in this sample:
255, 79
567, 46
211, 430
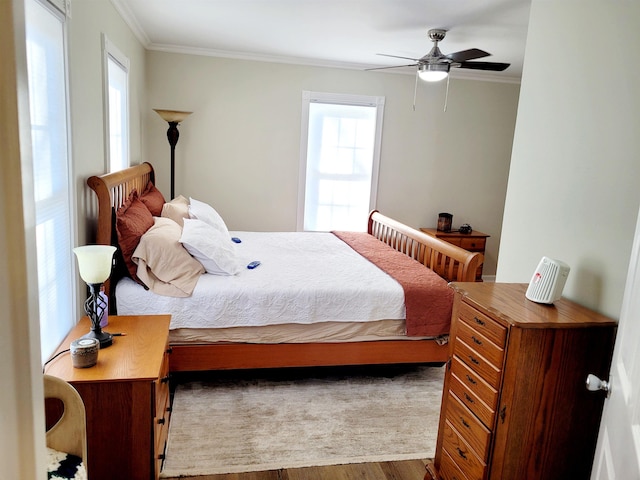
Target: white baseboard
488, 278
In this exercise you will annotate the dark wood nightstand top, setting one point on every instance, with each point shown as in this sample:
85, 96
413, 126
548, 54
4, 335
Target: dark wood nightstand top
437, 233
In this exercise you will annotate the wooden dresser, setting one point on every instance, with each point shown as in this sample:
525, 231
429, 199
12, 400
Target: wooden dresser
474, 242
126, 397
514, 405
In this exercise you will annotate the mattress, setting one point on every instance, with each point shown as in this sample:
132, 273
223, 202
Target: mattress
304, 278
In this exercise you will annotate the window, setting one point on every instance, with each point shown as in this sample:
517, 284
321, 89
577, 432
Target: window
46, 66
340, 154
116, 86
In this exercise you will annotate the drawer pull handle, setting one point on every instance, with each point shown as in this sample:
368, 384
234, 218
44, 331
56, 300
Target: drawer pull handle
161, 456
475, 340
161, 421
165, 379
474, 360
469, 399
503, 413
169, 350
464, 422
461, 453
479, 321
471, 380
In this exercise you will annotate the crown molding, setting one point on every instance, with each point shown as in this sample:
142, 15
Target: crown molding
129, 18
456, 74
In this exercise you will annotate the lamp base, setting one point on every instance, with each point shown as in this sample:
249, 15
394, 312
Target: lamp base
105, 339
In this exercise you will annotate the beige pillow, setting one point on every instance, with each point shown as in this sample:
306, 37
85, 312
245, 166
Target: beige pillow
164, 265
177, 209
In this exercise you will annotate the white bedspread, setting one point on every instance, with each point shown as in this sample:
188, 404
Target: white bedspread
303, 278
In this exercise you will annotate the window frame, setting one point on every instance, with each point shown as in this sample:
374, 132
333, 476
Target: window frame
309, 97
71, 290
111, 52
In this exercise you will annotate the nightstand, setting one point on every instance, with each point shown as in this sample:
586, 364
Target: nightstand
474, 242
126, 396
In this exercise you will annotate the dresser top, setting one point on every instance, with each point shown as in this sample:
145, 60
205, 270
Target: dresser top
506, 303
136, 355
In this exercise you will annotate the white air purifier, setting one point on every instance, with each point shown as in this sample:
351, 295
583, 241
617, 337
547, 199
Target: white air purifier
548, 281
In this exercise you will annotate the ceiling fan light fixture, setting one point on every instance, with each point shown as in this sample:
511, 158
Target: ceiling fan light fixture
433, 72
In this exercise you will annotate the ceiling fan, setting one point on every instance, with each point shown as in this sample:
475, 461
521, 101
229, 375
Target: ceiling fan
435, 65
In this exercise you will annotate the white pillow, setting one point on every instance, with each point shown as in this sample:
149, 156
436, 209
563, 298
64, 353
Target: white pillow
212, 248
205, 212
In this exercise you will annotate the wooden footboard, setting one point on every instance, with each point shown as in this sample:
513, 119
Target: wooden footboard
450, 262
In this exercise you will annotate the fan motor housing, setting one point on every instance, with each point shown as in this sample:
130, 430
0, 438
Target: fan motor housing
437, 34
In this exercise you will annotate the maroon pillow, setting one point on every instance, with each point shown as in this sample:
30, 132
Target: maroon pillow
153, 199
133, 219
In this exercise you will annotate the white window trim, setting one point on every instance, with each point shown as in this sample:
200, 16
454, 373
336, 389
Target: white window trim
110, 50
343, 99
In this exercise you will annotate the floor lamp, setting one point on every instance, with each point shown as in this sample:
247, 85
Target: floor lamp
173, 117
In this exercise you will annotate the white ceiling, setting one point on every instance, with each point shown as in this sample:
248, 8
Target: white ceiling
340, 33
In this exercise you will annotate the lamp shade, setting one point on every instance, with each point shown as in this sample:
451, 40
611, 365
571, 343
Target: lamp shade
172, 115
434, 72
94, 262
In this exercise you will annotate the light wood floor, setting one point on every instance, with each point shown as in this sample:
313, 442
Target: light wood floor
405, 470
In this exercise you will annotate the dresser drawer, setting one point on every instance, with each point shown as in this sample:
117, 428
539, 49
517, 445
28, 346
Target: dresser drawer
162, 413
449, 470
481, 344
484, 325
474, 382
468, 426
484, 412
468, 462
473, 244
478, 363
457, 241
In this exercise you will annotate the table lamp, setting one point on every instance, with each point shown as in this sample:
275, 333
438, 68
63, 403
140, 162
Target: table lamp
94, 263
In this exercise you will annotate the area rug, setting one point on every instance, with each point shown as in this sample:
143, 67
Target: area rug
288, 419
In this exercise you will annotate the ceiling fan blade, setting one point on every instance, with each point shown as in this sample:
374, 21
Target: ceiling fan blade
395, 66
464, 55
396, 56
492, 66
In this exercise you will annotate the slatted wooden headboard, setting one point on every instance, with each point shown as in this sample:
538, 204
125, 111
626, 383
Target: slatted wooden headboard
112, 190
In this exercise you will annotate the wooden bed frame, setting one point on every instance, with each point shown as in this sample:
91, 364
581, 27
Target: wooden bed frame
449, 261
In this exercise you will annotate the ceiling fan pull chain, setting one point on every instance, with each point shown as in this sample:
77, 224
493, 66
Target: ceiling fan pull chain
446, 95
415, 89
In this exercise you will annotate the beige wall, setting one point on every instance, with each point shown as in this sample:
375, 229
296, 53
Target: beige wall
90, 19
240, 149
573, 187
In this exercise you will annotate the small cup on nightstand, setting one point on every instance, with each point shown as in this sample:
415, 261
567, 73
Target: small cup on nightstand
84, 352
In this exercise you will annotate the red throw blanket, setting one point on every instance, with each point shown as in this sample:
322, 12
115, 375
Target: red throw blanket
428, 299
